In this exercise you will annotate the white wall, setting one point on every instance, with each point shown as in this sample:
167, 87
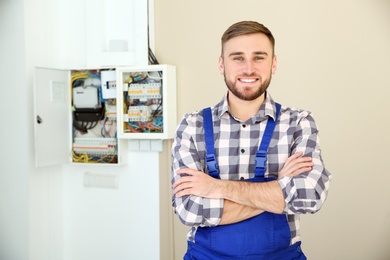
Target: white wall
46, 213
333, 60
15, 145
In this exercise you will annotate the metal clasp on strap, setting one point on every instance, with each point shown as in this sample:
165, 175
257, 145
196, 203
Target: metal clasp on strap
261, 159
212, 165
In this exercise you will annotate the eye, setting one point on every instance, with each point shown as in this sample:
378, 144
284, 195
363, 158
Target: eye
258, 58
238, 58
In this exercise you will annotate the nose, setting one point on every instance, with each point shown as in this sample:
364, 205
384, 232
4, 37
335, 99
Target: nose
249, 67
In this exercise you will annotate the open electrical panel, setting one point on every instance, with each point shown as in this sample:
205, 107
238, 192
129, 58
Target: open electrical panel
83, 115
94, 119
147, 102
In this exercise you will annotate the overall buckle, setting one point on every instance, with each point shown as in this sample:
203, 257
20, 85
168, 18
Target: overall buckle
212, 165
261, 159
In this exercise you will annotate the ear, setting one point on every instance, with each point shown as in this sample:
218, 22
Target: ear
221, 66
274, 64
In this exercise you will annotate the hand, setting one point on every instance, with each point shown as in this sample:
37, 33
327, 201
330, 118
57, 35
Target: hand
295, 165
196, 183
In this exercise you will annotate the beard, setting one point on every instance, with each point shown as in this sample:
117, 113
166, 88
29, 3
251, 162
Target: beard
247, 94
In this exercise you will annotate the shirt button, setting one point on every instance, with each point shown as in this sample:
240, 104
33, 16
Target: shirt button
242, 150
244, 126
242, 178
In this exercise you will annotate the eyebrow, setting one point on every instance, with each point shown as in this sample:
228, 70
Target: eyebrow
255, 53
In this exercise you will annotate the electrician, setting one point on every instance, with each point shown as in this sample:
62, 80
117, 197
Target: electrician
244, 169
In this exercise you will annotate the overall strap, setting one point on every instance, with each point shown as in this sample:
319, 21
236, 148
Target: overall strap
211, 161
261, 154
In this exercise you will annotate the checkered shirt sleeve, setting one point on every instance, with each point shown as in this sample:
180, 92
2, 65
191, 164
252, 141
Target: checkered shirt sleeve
189, 152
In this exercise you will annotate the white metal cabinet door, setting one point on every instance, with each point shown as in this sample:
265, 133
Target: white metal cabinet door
52, 116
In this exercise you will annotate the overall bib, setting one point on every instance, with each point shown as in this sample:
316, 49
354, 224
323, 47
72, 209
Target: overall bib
266, 236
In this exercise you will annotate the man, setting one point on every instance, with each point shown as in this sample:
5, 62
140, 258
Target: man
245, 169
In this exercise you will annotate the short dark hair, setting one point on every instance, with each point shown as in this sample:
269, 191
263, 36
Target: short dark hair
244, 28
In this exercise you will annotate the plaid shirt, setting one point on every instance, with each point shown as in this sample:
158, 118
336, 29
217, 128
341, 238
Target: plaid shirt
236, 144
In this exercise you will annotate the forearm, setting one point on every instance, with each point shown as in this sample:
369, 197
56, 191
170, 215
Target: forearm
265, 196
307, 192
234, 212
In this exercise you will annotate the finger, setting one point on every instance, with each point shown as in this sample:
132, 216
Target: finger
297, 154
181, 189
301, 164
293, 157
297, 161
185, 188
180, 181
301, 168
183, 193
295, 165
301, 159
296, 157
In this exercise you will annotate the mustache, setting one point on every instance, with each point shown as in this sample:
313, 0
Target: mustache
249, 75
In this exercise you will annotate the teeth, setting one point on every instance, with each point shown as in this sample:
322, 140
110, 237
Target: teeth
248, 80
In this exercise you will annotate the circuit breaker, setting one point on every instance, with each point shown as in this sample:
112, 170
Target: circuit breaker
146, 99
94, 121
76, 116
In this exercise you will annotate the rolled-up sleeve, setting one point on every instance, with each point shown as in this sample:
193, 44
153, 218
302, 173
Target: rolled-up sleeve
192, 210
307, 192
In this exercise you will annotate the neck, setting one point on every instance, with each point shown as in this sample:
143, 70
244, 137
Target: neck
243, 109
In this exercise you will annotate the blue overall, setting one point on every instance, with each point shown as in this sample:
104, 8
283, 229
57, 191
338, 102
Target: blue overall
266, 236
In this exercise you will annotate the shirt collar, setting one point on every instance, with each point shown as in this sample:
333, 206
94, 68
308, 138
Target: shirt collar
267, 109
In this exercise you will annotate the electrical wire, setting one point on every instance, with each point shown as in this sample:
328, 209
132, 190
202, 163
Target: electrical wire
107, 130
152, 59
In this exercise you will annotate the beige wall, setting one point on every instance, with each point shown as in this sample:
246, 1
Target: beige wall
333, 60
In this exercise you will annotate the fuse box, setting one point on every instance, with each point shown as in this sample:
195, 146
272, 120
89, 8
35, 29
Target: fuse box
146, 99
94, 135
76, 117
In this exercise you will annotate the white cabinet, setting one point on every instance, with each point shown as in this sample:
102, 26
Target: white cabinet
96, 34
146, 102
76, 117
93, 33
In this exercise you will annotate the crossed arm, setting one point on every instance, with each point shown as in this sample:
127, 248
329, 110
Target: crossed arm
200, 200
242, 200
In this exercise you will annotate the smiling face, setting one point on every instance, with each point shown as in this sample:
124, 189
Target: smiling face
247, 63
